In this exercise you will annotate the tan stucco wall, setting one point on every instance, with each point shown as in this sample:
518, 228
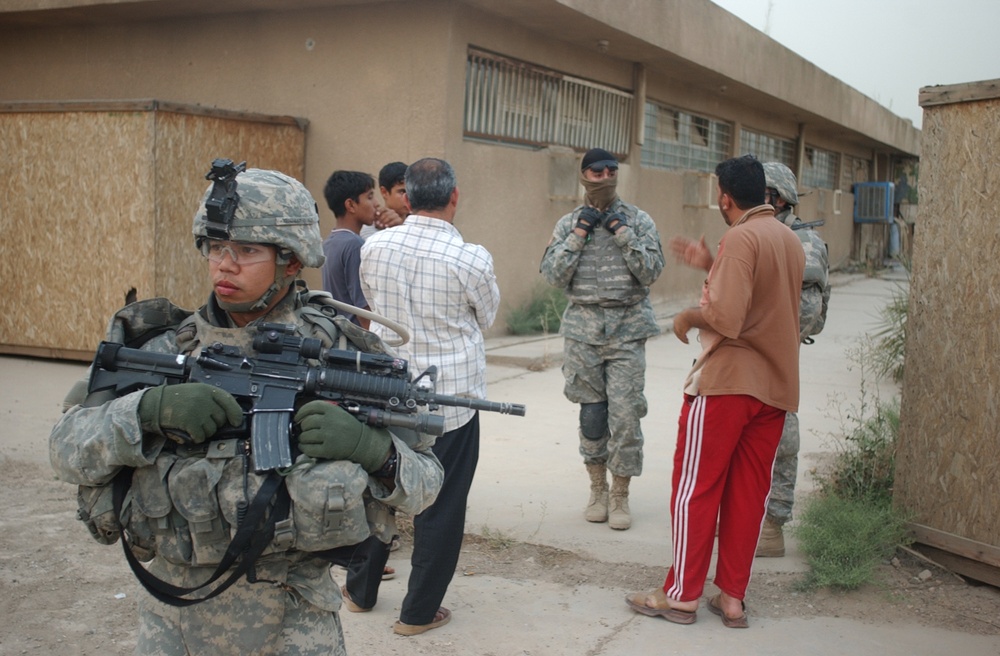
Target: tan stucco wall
384, 81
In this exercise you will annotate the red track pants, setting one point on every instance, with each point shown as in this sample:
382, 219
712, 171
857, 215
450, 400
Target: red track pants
722, 471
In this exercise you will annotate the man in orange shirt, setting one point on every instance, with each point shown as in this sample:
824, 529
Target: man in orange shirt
735, 398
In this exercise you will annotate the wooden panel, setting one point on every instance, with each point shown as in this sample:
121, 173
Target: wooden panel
97, 200
959, 546
960, 565
948, 459
77, 223
186, 145
946, 94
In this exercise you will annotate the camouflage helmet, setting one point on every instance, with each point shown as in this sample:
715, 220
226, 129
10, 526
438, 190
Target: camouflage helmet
272, 208
780, 177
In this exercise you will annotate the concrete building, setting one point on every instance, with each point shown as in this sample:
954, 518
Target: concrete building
509, 92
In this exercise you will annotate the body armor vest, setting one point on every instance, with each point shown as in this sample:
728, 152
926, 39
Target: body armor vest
602, 276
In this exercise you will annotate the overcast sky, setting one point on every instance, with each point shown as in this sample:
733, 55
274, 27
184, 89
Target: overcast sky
886, 49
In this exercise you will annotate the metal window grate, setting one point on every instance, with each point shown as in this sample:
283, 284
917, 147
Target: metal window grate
675, 139
820, 169
512, 101
767, 148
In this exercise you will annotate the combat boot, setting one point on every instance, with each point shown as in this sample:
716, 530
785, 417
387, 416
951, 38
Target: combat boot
618, 512
597, 507
772, 540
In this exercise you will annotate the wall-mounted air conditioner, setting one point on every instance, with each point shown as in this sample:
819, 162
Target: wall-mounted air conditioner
873, 202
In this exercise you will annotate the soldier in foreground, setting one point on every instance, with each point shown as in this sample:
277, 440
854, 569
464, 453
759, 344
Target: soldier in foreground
184, 495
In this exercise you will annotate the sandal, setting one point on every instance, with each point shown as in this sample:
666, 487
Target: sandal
729, 622
388, 573
441, 617
349, 603
660, 607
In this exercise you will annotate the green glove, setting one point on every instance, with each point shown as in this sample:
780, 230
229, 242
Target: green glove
188, 412
332, 433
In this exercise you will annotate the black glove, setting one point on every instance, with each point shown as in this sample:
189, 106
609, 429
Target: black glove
332, 433
615, 221
188, 412
588, 219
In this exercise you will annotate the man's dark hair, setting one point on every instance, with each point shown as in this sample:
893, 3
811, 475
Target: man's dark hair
391, 175
343, 185
429, 184
743, 179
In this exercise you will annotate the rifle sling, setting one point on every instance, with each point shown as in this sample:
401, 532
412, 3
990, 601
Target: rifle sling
247, 544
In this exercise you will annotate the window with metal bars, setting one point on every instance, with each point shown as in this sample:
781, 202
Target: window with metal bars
767, 148
511, 101
820, 169
675, 139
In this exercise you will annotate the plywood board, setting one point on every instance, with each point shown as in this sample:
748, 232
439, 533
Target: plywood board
97, 202
948, 460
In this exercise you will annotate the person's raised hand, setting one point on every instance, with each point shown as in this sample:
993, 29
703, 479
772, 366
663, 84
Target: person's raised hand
692, 253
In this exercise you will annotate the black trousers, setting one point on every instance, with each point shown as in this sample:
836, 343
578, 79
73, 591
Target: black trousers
437, 534
364, 575
438, 530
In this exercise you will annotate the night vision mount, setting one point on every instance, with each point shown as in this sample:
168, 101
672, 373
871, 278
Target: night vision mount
222, 202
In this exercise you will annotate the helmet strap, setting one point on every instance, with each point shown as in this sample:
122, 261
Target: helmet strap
281, 282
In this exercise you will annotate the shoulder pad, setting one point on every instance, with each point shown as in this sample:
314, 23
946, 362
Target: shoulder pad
137, 323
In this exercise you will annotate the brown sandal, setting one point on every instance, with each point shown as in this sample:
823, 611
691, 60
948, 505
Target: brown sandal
640, 603
441, 617
729, 622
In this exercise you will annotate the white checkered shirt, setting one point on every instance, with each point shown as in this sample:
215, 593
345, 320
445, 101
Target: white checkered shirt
423, 275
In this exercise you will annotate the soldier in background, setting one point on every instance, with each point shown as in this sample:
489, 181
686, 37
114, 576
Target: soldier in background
184, 503
605, 254
781, 193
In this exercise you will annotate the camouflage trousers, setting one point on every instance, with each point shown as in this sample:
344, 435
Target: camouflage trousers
786, 464
615, 373
259, 618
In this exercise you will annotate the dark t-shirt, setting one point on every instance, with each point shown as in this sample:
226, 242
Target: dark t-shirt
341, 275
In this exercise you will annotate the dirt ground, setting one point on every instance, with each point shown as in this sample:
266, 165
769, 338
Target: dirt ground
62, 593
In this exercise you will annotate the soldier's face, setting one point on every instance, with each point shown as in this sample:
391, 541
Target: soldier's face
596, 174
236, 282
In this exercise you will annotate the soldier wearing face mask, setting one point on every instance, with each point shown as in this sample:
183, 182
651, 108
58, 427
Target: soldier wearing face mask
605, 254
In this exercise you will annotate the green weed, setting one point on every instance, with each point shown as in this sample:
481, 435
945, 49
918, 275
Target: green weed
541, 314
496, 539
846, 539
850, 525
890, 340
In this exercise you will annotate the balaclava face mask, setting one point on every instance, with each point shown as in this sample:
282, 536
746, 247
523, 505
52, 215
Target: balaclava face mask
600, 193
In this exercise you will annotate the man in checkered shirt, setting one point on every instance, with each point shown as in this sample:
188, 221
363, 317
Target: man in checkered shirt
424, 276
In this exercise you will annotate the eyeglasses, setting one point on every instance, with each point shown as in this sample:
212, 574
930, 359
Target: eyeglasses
771, 194
240, 253
599, 168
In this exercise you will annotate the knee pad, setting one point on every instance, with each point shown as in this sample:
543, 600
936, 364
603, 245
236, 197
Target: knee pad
594, 420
